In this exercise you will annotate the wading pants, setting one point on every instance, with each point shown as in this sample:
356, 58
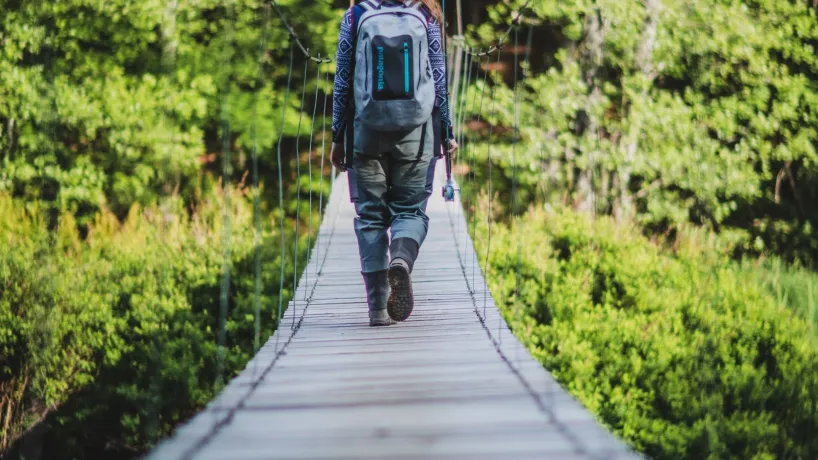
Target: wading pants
390, 184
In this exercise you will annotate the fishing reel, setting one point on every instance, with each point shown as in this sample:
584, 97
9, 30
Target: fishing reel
448, 189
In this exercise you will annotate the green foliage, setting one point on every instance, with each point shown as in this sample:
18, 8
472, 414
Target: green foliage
697, 111
680, 353
113, 340
111, 239
107, 104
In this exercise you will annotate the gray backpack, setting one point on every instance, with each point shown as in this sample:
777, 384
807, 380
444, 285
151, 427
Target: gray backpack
394, 89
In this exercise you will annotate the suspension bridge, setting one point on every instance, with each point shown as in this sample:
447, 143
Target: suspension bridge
452, 382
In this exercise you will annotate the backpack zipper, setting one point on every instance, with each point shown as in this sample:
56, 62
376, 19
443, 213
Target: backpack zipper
420, 61
406, 67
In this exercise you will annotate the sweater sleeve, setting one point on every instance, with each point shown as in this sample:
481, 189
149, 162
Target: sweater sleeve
438, 62
343, 77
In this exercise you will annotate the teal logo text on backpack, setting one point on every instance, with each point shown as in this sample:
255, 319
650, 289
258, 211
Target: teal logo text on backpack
394, 89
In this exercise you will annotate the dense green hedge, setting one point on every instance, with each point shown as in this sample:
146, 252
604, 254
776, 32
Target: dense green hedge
112, 339
682, 353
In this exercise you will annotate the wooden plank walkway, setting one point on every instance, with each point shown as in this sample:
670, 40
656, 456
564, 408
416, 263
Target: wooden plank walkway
446, 384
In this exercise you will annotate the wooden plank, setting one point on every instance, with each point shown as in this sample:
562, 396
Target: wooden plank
452, 382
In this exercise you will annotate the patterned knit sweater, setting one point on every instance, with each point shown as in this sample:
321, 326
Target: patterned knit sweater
345, 72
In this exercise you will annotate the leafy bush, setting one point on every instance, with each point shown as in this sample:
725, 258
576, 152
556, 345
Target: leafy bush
682, 354
112, 340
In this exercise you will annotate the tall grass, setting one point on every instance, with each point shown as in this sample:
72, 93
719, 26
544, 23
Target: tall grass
793, 287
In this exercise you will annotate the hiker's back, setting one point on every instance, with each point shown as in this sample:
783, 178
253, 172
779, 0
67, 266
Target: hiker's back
394, 88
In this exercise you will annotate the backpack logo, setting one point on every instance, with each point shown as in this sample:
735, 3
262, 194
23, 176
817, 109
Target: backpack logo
380, 68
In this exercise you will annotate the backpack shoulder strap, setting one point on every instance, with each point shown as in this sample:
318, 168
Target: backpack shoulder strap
421, 8
358, 11
369, 5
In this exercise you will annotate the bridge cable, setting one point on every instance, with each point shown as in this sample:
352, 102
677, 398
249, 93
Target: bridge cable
514, 191
498, 44
281, 190
549, 384
168, 117
515, 204
527, 63
473, 205
462, 116
227, 171
463, 94
321, 170
471, 166
256, 195
294, 36
490, 198
445, 39
309, 173
298, 189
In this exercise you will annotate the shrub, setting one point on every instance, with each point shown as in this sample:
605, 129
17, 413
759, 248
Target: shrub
111, 340
680, 353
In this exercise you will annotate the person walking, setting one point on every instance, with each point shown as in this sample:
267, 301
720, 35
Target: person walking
390, 122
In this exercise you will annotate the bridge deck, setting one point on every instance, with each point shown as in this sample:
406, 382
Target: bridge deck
445, 384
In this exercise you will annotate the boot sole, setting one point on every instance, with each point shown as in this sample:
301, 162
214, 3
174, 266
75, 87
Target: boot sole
401, 299
388, 322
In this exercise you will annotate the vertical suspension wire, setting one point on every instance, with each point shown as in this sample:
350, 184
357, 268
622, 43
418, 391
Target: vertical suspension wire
488, 215
445, 51
515, 204
257, 230
309, 173
467, 69
473, 206
227, 207
462, 116
514, 198
297, 157
321, 170
456, 86
470, 179
281, 191
171, 165
545, 179
527, 61
459, 134
712, 276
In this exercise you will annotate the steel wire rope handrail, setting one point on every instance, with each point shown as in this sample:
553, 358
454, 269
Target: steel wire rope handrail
294, 36
498, 43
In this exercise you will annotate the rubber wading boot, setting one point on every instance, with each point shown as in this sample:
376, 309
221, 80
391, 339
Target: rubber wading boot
401, 301
377, 290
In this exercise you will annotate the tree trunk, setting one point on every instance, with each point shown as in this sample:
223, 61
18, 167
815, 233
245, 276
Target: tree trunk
11, 131
592, 61
644, 66
170, 45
